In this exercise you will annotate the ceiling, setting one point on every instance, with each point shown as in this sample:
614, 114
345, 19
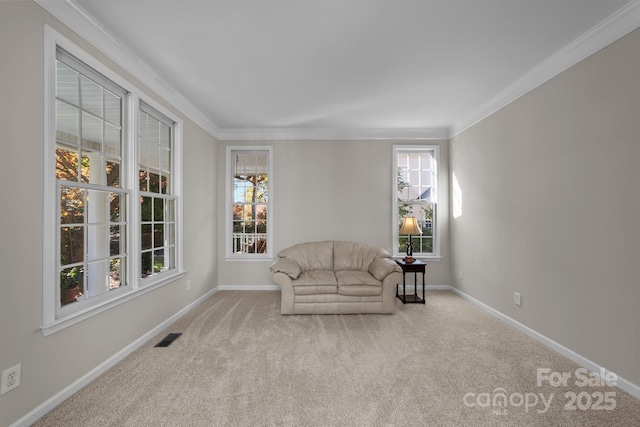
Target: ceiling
431, 66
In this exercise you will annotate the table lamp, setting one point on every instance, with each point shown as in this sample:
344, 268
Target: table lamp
409, 226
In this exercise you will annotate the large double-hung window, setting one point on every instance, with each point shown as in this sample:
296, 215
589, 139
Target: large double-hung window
111, 188
416, 195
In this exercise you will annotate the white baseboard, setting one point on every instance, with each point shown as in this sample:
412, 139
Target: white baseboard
628, 386
249, 287
68, 391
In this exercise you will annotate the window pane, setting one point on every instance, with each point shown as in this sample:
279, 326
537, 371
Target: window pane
147, 237
144, 181
154, 182
93, 169
113, 174
67, 164
91, 96
98, 238
158, 236
171, 262
112, 108
91, 132
165, 135
165, 160
112, 137
144, 126
71, 205
154, 130
158, 261
115, 273
171, 206
146, 264
66, 83
71, 284
154, 156
115, 247
144, 152
116, 210
67, 122
71, 245
158, 209
165, 179
146, 209
170, 234
97, 278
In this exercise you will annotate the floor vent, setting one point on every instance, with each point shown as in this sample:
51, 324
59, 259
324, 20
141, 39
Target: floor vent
168, 340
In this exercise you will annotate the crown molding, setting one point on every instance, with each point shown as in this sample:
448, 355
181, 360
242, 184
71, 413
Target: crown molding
284, 134
603, 34
92, 31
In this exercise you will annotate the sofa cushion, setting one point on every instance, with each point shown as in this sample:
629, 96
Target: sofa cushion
357, 283
310, 256
355, 256
315, 282
382, 267
286, 266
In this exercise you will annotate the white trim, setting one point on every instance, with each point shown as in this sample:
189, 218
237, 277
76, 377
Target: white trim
623, 384
250, 257
606, 32
92, 31
50, 208
285, 134
74, 387
228, 227
249, 287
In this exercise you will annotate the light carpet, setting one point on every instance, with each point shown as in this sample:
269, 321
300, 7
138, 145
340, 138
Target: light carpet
240, 363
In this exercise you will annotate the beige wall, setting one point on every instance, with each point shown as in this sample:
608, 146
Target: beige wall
51, 363
331, 190
551, 207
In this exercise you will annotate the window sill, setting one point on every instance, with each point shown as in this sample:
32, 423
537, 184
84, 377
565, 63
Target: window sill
243, 258
69, 319
420, 257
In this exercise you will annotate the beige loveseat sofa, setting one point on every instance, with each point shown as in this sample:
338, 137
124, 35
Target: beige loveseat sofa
335, 277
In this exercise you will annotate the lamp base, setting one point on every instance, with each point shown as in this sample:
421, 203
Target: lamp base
409, 259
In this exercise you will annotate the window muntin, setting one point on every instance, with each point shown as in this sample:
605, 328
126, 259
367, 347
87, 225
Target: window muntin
157, 202
415, 170
91, 222
250, 202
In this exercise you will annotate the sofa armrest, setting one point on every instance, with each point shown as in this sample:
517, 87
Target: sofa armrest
382, 267
286, 266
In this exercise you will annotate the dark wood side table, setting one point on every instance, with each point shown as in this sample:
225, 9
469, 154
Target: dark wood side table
415, 267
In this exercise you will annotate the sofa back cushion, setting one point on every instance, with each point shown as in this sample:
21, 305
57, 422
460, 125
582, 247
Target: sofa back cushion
310, 256
355, 256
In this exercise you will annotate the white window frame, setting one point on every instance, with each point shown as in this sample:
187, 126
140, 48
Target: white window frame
54, 316
436, 224
229, 254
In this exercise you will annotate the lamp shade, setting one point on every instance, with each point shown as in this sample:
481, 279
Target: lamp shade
410, 226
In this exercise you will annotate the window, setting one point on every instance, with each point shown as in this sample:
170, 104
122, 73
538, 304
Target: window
111, 199
249, 208
158, 204
416, 194
89, 114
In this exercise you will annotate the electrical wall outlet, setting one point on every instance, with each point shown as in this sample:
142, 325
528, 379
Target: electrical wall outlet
188, 285
10, 379
517, 299
460, 275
